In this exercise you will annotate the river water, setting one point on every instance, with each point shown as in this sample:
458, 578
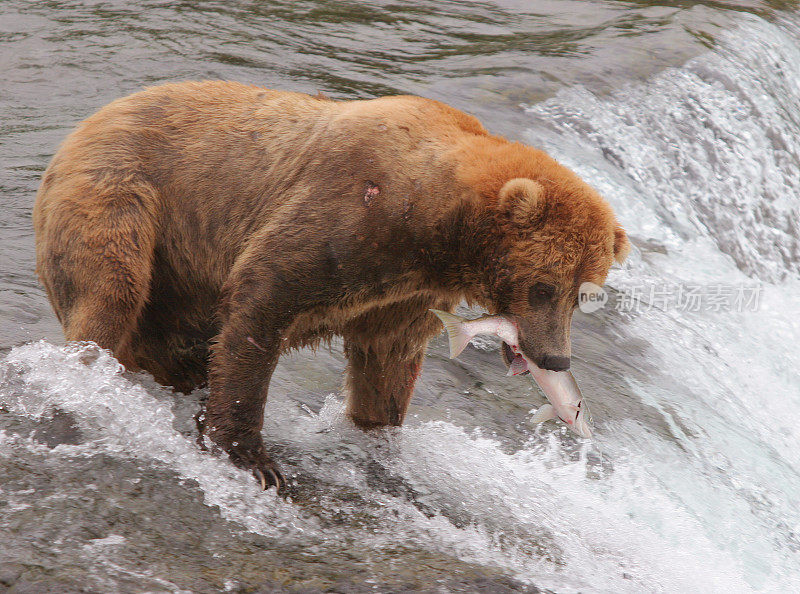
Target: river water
685, 115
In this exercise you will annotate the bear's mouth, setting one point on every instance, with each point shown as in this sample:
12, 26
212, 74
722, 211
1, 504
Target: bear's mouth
509, 355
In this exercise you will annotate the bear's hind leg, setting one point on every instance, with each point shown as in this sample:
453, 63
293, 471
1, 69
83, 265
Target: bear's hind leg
173, 337
96, 264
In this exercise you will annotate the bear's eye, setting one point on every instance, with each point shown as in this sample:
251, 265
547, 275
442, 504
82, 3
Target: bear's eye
540, 292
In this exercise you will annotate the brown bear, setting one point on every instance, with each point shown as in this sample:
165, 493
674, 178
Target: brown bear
201, 229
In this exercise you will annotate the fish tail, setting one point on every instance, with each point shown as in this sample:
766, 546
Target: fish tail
459, 339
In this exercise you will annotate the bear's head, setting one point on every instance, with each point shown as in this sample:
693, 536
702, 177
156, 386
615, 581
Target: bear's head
554, 235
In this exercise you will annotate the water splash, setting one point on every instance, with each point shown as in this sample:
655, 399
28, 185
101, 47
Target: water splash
712, 149
546, 513
703, 165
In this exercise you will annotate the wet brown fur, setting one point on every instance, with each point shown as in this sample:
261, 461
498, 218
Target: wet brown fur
201, 229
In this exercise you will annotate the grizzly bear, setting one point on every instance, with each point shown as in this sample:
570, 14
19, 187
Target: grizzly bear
198, 230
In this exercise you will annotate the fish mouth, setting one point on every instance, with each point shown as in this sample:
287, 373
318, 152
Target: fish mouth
514, 361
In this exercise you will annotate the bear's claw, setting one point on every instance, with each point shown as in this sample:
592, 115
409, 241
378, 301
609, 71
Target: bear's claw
272, 477
256, 459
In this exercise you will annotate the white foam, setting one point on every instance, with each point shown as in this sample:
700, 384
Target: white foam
537, 512
38, 378
709, 151
705, 160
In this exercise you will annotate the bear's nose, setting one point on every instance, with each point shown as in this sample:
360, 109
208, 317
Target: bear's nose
553, 362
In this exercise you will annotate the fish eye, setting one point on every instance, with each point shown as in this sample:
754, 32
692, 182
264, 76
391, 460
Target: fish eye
540, 292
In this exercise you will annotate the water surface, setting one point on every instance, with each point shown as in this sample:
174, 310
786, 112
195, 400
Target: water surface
683, 114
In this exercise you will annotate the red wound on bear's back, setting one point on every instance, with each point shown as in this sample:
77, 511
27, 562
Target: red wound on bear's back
371, 192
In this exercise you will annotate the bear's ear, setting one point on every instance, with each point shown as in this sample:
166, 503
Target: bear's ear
622, 247
521, 199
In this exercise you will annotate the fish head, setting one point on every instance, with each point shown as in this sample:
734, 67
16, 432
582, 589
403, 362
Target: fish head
581, 427
579, 423
556, 235
561, 393
564, 395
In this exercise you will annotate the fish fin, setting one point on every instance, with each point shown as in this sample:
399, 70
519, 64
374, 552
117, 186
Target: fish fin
455, 331
545, 413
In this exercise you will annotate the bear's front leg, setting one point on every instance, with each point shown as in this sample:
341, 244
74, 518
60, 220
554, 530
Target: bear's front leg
385, 348
273, 282
260, 301
243, 360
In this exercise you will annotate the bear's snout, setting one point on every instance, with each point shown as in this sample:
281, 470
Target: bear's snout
544, 339
550, 362
553, 362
